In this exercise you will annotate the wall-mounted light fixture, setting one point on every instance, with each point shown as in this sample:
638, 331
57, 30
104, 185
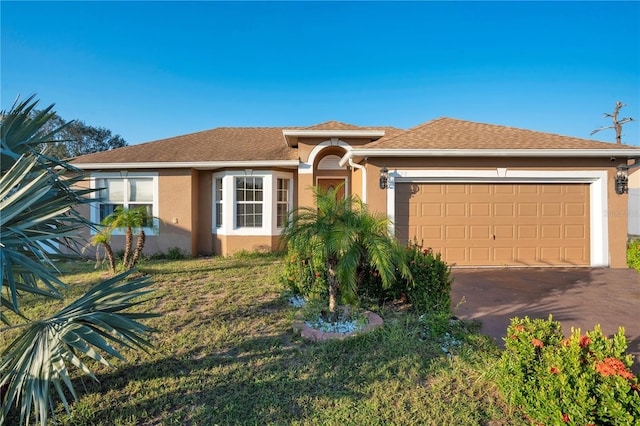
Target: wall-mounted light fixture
622, 179
384, 178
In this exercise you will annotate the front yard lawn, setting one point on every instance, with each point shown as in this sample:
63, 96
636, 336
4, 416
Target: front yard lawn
225, 353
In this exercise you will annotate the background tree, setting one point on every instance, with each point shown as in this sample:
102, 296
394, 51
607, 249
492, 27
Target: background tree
77, 138
38, 226
617, 124
347, 234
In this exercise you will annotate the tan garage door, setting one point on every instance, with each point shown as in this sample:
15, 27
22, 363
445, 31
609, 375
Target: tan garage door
497, 224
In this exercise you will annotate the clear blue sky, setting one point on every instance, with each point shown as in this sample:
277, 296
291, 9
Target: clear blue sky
150, 70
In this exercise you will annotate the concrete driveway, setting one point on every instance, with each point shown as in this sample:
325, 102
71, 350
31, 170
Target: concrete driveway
577, 297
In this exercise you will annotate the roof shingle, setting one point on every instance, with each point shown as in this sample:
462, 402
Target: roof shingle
450, 133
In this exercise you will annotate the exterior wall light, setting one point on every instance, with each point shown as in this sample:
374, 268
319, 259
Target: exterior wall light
621, 179
384, 178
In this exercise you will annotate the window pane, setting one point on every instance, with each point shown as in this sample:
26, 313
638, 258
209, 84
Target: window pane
113, 189
106, 210
140, 189
218, 189
218, 215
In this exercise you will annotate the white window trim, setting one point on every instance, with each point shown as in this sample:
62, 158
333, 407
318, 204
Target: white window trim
269, 204
597, 180
95, 210
278, 229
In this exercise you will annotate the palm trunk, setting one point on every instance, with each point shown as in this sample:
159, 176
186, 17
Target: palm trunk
138, 251
128, 243
333, 291
109, 253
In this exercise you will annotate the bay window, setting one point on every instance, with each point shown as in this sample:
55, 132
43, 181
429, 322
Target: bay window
250, 202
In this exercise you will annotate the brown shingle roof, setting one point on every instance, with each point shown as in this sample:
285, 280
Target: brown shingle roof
268, 143
220, 144
450, 133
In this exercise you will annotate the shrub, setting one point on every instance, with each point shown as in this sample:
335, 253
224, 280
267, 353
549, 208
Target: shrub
430, 289
304, 274
633, 254
581, 380
174, 253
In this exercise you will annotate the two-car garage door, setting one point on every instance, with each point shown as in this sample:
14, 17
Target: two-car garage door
492, 224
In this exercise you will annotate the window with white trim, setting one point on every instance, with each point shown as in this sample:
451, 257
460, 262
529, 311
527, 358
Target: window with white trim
282, 201
249, 196
126, 192
218, 201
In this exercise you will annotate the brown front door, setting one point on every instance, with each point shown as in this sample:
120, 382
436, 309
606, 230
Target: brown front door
333, 183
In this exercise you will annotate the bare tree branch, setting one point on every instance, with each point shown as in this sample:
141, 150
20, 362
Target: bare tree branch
617, 124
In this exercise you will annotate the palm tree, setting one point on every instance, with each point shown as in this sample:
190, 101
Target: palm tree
39, 226
103, 238
127, 219
346, 233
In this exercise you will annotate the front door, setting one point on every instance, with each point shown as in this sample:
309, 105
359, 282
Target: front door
332, 184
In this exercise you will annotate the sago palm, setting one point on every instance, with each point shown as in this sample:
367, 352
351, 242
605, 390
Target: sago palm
38, 226
346, 233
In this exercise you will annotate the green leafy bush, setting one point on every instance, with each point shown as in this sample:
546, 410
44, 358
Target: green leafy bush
581, 380
430, 289
174, 253
633, 254
304, 274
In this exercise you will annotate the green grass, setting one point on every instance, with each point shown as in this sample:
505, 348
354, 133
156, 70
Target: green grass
225, 354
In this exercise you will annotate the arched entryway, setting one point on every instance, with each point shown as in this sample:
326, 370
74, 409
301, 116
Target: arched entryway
329, 174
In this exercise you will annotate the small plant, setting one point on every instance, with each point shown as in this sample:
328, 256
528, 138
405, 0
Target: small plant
580, 380
633, 254
174, 253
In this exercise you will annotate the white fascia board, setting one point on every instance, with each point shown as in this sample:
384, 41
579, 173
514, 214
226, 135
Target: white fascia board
204, 165
334, 133
626, 153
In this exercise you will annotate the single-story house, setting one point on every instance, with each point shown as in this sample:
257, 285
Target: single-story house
481, 194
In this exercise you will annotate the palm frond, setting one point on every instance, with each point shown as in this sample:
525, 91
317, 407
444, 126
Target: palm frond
88, 327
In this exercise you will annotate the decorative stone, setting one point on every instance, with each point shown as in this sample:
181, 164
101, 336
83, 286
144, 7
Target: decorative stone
373, 321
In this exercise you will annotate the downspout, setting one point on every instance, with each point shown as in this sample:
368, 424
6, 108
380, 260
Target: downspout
364, 178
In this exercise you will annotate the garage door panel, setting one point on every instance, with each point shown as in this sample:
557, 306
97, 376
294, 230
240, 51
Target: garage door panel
456, 209
456, 232
480, 189
574, 209
479, 232
527, 209
479, 254
504, 189
503, 209
431, 209
480, 209
503, 232
432, 232
498, 224
456, 253
503, 254
575, 231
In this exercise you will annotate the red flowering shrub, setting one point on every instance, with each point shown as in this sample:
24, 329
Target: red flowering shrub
581, 380
304, 274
